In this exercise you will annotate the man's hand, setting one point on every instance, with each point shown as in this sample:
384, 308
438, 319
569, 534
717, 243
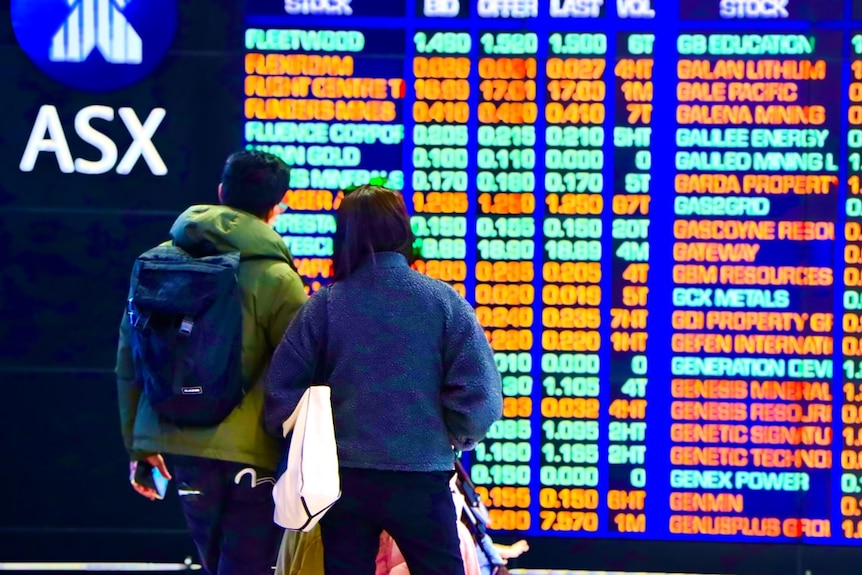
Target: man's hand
156, 461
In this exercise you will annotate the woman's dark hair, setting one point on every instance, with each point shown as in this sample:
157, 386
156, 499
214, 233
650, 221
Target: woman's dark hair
254, 182
370, 219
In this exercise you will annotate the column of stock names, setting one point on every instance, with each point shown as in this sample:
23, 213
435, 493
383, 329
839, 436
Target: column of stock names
669, 361
755, 205
320, 100
505, 234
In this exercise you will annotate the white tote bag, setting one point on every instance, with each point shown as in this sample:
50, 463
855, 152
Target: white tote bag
311, 483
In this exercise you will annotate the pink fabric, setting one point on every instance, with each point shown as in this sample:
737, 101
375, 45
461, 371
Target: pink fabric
386, 556
468, 551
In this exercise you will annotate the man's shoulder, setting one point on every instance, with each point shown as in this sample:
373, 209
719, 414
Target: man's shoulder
274, 280
272, 269
281, 271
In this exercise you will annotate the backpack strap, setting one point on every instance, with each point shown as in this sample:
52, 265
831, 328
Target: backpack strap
476, 514
182, 348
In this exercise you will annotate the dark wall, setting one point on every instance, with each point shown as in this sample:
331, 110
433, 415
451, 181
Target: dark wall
66, 246
68, 242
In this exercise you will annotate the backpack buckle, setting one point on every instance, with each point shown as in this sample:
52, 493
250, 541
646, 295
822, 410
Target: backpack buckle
136, 320
186, 326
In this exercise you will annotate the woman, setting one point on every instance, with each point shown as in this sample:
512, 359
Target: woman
412, 376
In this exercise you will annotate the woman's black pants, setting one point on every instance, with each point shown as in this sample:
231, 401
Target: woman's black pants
414, 508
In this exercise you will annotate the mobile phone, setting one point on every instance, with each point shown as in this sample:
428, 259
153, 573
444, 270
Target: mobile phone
148, 476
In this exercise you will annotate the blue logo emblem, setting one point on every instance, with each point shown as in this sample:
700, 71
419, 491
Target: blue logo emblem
95, 45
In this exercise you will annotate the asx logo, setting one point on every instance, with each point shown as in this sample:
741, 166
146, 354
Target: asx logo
48, 136
99, 25
95, 45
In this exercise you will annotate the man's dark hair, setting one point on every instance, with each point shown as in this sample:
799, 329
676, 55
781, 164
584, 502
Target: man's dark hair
254, 182
370, 219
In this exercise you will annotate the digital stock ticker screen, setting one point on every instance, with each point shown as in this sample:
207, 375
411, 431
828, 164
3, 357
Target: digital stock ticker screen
655, 209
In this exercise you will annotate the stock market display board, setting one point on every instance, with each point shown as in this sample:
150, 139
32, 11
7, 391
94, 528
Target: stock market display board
655, 209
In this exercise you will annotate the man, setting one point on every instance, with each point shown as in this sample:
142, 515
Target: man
224, 472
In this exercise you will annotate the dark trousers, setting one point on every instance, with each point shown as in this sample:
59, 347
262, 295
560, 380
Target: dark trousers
228, 508
417, 511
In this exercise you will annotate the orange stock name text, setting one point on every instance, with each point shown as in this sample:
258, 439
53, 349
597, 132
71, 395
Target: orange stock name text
755, 456
737, 389
323, 110
757, 434
298, 65
767, 412
752, 343
754, 184
709, 502
753, 275
749, 526
764, 321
